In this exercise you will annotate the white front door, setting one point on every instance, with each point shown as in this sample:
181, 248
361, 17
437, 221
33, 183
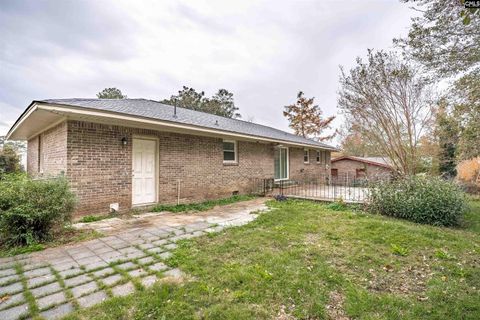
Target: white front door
144, 173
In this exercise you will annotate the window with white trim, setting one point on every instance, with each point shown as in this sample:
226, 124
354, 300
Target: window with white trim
318, 156
306, 156
230, 151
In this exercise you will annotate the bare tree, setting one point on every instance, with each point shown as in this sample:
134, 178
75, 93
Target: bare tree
390, 104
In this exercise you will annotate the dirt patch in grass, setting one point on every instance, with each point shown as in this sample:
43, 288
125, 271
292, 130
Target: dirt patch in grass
284, 314
335, 306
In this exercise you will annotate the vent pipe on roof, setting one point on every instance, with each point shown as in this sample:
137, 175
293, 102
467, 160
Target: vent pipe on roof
174, 110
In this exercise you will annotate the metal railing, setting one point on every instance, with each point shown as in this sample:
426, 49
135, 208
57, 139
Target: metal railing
348, 188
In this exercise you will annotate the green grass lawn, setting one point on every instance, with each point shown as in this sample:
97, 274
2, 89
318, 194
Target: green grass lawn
304, 260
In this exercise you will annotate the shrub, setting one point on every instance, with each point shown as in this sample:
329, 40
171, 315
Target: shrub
9, 160
420, 199
31, 209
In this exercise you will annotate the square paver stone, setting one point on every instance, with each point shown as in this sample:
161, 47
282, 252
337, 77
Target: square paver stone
75, 281
146, 246
146, 260
8, 279
158, 267
7, 272
65, 266
135, 255
170, 246
111, 254
84, 289
156, 250
45, 290
137, 273
149, 281
96, 265
35, 282
11, 288
103, 272
123, 290
14, 313
89, 260
174, 273
86, 253
11, 300
165, 255
70, 272
58, 311
92, 299
128, 250
29, 265
111, 280
126, 265
103, 250
160, 242
52, 299
36, 272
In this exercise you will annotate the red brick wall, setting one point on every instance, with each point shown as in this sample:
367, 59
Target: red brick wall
347, 166
99, 166
301, 170
53, 150
32, 156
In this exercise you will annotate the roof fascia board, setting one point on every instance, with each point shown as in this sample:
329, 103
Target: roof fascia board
31, 108
362, 160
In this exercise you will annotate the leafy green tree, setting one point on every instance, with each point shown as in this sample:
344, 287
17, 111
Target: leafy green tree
445, 38
221, 104
9, 160
446, 130
465, 100
111, 93
306, 120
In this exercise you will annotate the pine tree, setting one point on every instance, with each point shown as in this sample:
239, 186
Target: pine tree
306, 119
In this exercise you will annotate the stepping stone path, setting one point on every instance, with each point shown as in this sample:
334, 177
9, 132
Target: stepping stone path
64, 279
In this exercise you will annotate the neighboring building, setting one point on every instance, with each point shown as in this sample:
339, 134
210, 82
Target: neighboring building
371, 168
136, 152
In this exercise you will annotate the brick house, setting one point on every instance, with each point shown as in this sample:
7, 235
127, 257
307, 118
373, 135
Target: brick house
371, 168
136, 152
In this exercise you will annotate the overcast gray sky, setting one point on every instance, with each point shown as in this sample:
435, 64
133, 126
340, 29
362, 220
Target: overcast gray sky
262, 51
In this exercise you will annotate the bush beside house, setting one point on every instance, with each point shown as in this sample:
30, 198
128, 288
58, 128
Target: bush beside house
425, 200
30, 210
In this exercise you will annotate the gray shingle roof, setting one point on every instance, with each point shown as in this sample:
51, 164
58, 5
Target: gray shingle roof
159, 111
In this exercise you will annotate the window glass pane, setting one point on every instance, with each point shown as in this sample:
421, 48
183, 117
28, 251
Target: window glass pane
318, 156
277, 163
283, 168
228, 156
305, 156
228, 146
280, 163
